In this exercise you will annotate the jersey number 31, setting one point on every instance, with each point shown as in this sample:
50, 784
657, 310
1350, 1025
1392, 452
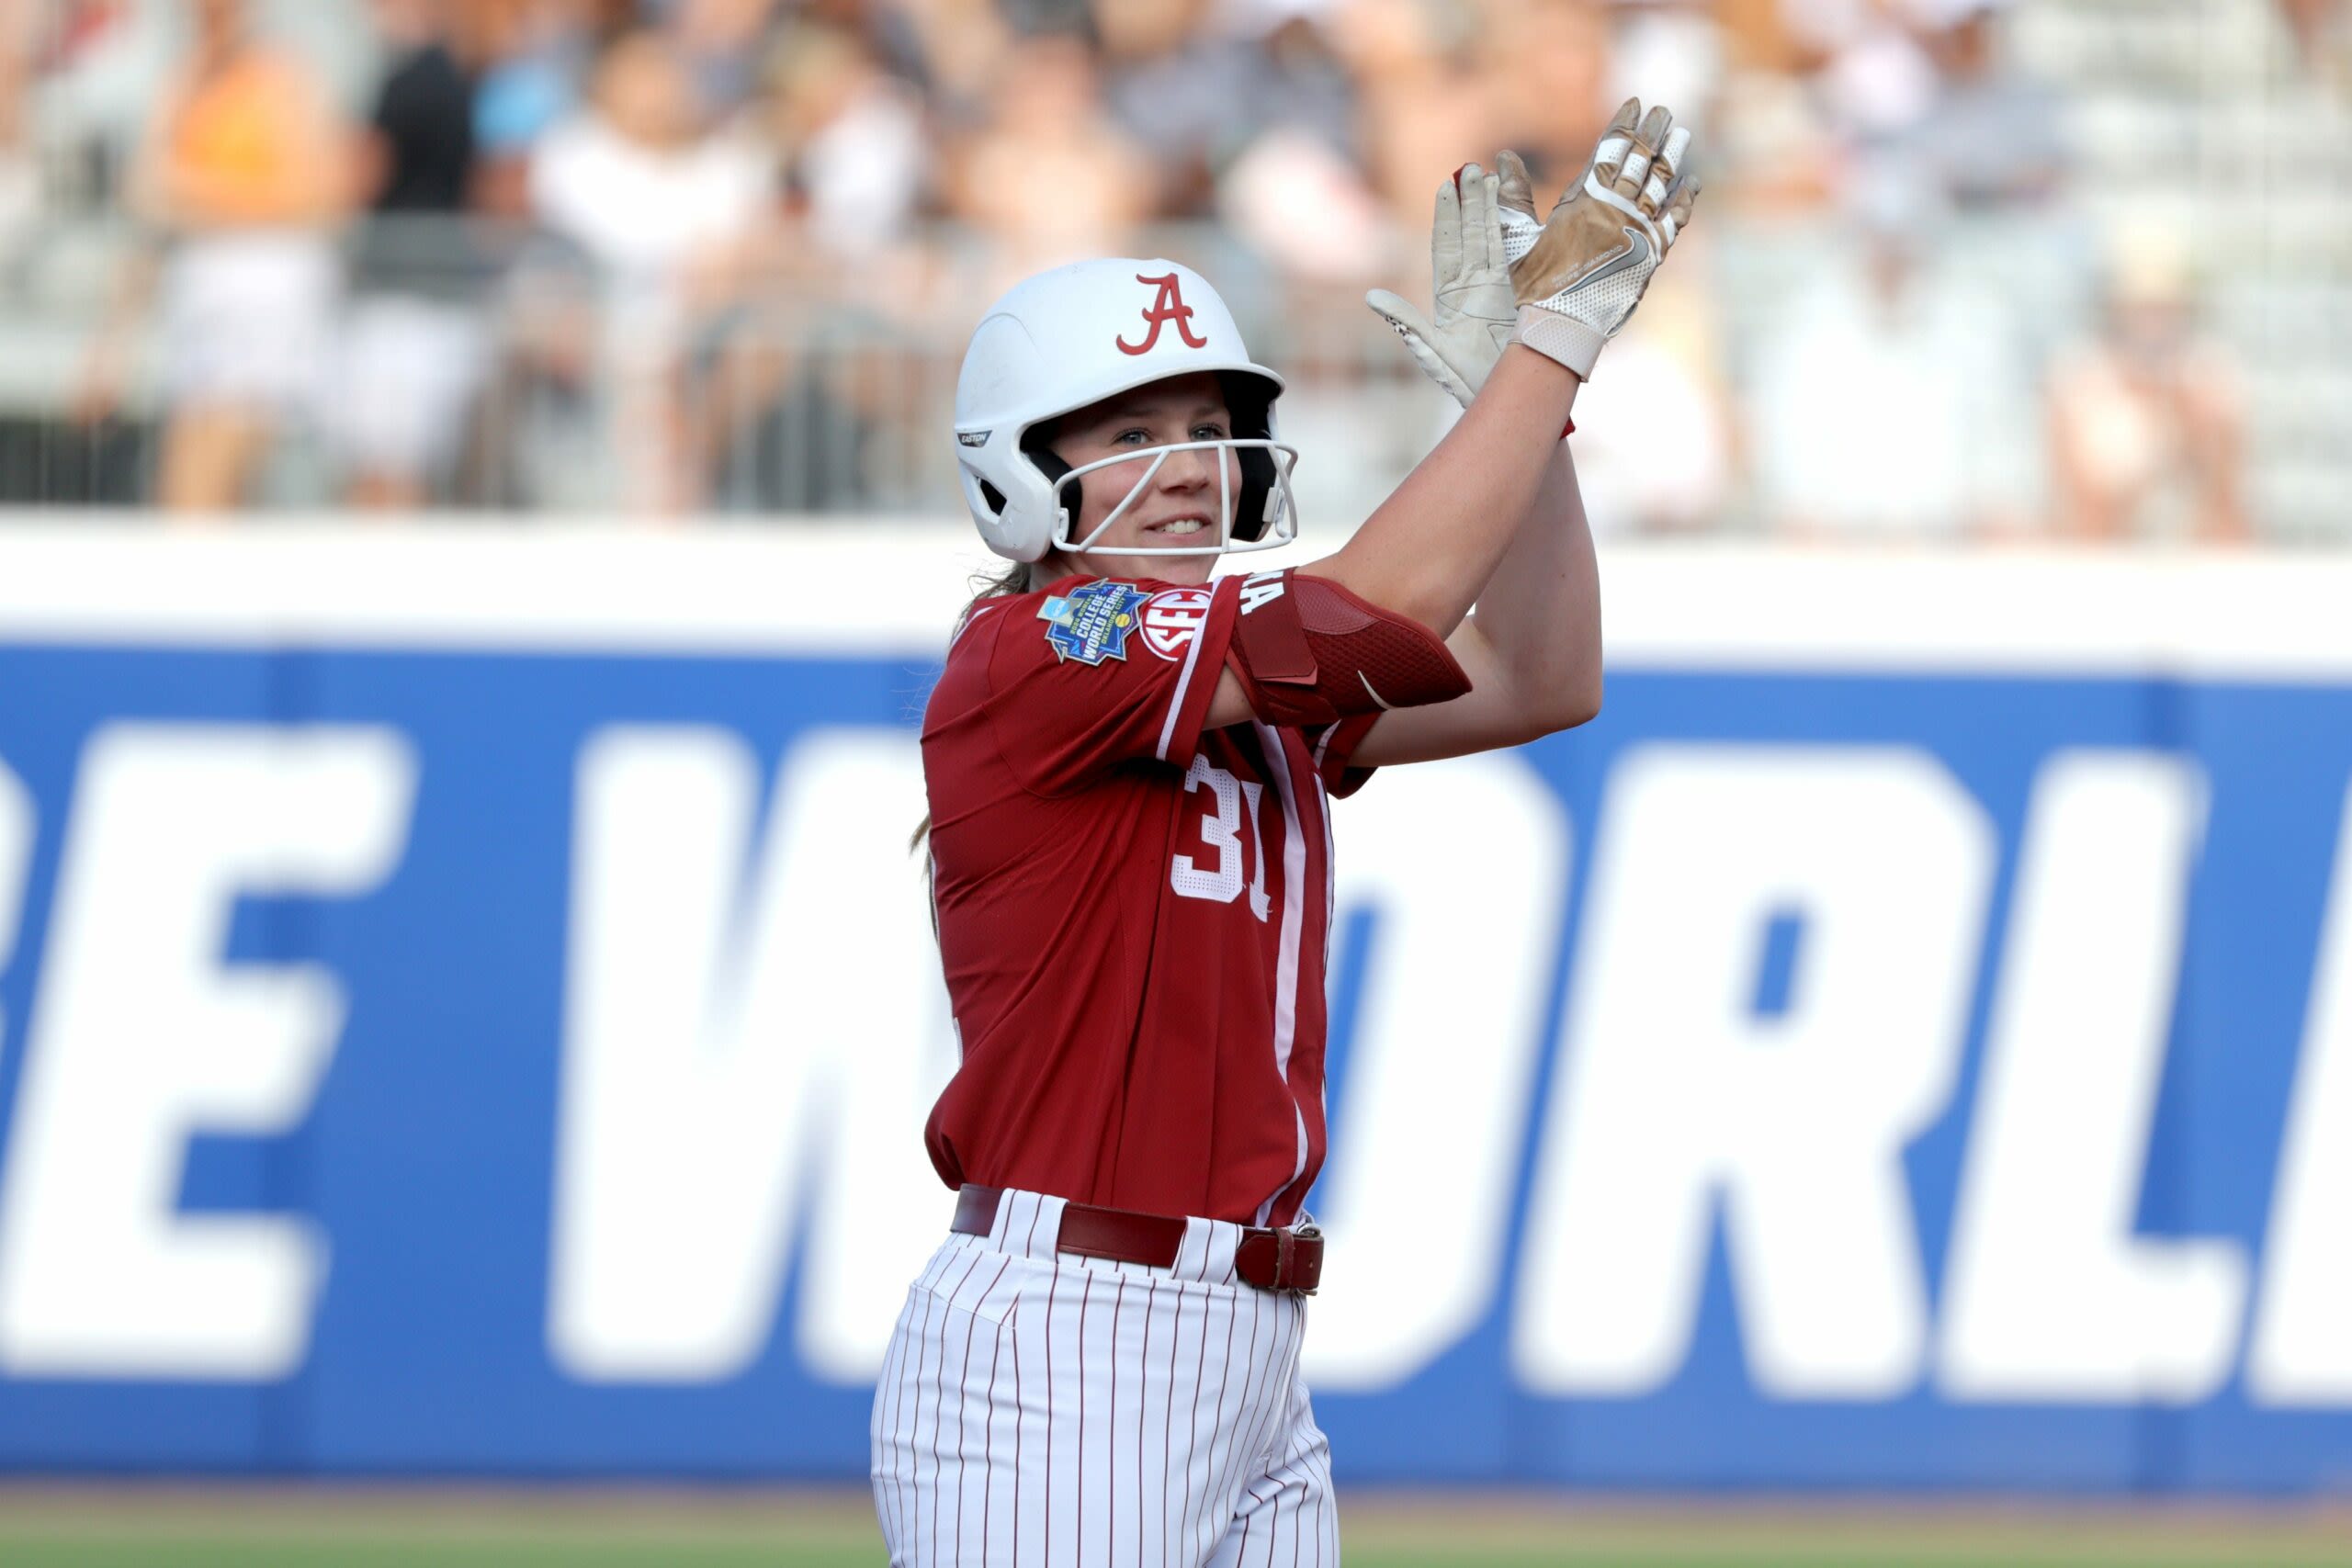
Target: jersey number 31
1221, 830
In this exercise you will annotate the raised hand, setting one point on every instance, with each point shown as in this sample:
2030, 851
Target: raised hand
1470, 282
1579, 274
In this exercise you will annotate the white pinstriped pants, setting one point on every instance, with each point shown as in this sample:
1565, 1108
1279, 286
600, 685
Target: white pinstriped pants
1038, 1408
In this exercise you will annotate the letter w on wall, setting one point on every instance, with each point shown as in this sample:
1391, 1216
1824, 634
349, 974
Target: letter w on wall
737, 1016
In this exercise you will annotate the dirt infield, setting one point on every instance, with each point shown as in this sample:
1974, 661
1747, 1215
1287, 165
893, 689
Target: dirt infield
72, 1523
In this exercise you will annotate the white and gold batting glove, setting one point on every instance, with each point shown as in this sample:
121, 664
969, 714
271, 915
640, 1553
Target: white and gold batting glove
1578, 276
1470, 282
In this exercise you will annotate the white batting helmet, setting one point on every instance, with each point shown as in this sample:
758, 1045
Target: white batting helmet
1075, 335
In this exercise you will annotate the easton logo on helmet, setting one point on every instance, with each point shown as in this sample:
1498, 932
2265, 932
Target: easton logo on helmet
1167, 306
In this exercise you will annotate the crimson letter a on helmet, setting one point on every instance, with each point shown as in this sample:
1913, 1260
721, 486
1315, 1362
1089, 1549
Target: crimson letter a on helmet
1167, 306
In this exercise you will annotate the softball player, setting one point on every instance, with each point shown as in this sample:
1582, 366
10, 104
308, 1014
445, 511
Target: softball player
1129, 768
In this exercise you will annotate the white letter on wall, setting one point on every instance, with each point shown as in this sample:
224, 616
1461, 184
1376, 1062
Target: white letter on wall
731, 1019
1674, 1091
1446, 1037
2048, 1296
140, 1039
2303, 1334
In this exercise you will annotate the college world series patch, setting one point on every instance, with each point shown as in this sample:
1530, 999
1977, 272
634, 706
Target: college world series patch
1093, 623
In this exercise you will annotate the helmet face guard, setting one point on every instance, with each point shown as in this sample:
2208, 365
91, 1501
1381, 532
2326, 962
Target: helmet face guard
1259, 514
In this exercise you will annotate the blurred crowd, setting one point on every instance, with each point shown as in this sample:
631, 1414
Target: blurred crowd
590, 253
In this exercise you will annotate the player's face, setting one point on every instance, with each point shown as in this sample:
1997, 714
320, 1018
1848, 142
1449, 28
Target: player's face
1182, 503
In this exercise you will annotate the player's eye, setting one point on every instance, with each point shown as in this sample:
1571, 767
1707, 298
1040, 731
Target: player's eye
1137, 437
1208, 433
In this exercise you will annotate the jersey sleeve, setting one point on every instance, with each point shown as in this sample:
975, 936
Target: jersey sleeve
1334, 747
1104, 673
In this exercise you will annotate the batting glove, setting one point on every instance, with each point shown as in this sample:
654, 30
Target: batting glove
1578, 276
1471, 285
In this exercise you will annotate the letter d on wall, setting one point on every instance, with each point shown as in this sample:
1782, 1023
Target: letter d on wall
15, 860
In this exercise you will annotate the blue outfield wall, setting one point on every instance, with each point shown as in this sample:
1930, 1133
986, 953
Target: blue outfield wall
424, 1060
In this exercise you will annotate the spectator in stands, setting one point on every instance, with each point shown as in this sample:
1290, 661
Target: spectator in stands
1418, 105
1656, 456
241, 176
20, 170
2147, 422
413, 348
954, 50
724, 44
97, 66
1774, 156
1303, 205
1296, 79
1992, 134
851, 137
1874, 77
1295, 193
1179, 89
1549, 63
1890, 398
2319, 33
1051, 177
775, 428
669, 208
1673, 51
531, 55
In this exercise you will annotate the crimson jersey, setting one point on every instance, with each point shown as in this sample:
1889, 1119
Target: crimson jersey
1133, 914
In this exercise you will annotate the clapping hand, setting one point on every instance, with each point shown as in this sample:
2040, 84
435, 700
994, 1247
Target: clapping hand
1579, 273
1470, 285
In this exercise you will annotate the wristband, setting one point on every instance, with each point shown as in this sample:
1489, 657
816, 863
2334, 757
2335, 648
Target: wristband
1560, 338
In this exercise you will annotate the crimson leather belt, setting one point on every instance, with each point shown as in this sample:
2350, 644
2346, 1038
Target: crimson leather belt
1289, 1260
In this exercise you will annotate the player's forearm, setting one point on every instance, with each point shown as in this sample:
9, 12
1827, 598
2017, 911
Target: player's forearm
1430, 549
1541, 611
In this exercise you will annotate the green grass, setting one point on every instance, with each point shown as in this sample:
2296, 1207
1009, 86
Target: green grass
100, 1551
243, 1527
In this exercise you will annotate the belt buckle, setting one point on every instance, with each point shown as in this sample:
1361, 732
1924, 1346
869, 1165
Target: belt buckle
1286, 1242
1312, 1232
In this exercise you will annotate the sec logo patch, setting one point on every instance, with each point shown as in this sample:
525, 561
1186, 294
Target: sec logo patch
1171, 619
